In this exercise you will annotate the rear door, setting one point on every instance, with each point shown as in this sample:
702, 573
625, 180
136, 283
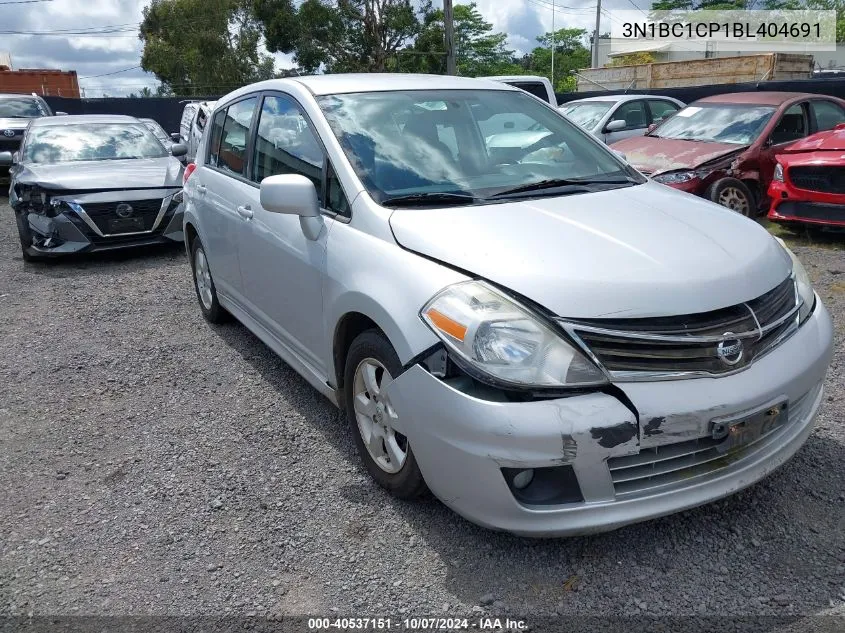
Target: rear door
635, 115
792, 124
220, 182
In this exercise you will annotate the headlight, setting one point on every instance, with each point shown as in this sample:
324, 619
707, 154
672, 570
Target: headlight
778, 175
674, 177
803, 285
505, 342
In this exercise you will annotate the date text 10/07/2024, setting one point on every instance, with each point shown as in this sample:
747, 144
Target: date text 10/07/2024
416, 624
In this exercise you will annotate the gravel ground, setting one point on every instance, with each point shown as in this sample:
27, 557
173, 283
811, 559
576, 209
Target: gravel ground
153, 464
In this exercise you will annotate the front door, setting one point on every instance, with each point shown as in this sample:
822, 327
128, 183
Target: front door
282, 269
636, 121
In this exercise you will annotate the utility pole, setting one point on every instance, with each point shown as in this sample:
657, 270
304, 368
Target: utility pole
554, 44
449, 28
595, 63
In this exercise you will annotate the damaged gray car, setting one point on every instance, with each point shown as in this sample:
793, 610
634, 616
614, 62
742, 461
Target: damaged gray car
94, 183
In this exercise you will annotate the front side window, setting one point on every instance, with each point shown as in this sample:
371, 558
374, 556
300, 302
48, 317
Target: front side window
91, 141
633, 113
234, 136
734, 123
22, 108
828, 114
469, 144
285, 143
791, 127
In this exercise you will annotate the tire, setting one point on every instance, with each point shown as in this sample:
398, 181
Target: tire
401, 477
204, 285
734, 195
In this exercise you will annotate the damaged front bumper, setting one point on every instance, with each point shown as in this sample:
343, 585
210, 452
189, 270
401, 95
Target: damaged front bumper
72, 230
592, 463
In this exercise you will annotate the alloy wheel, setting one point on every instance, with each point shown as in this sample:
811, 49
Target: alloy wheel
734, 199
376, 417
202, 275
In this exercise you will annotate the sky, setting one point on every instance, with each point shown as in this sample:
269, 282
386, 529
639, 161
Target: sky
93, 56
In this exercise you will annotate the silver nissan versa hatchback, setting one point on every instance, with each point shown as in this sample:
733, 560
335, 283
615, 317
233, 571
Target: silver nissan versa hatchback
522, 324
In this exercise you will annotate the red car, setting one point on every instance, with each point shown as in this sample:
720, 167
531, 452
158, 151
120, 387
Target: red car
724, 147
808, 186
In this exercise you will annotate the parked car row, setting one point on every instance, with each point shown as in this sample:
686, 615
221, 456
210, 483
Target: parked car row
509, 313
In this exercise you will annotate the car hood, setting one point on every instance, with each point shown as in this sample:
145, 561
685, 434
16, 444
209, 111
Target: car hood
13, 124
652, 155
828, 141
104, 174
639, 251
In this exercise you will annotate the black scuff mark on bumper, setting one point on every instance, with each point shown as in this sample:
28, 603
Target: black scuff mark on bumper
652, 427
611, 436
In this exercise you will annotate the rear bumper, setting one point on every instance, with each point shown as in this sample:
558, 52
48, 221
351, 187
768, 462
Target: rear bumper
462, 442
797, 206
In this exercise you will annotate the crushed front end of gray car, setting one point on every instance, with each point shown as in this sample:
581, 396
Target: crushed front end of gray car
54, 222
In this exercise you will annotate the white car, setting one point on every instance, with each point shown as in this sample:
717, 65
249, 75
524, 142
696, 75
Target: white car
614, 117
194, 119
510, 315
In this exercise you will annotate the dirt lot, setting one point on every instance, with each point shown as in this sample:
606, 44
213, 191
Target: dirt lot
152, 464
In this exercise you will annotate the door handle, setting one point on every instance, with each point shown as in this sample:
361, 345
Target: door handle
201, 189
245, 212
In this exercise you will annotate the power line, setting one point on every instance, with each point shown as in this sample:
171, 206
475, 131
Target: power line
111, 73
634, 4
24, 1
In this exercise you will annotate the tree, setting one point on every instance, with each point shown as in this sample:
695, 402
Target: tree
570, 55
338, 35
200, 47
632, 59
480, 51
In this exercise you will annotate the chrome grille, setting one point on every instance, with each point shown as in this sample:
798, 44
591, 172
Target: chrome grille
662, 466
632, 348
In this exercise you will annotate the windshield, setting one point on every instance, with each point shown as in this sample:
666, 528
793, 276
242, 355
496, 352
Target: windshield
91, 141
474, 143
738, 124
588, 114
22, 108
156, 129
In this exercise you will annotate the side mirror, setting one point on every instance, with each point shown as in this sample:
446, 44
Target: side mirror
615, 125
61, 113
620, 155
293, 194
176, 136
178, 149
6, 159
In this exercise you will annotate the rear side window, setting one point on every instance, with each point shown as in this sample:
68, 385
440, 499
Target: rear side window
234, 135
661, 110
828, 114
214, 140
285, 143
202, 117
532, 87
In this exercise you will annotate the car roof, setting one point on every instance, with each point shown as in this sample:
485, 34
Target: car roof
18, 96
758, 98
617, 98
341, 83
82, 118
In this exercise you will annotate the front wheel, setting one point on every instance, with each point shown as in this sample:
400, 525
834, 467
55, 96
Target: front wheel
371, 365
733, 194
26, 240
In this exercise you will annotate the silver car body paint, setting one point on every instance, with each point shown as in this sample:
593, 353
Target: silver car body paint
639, 251
598, 129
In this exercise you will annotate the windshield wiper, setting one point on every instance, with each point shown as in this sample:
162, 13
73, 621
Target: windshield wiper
431, 198
576, 185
